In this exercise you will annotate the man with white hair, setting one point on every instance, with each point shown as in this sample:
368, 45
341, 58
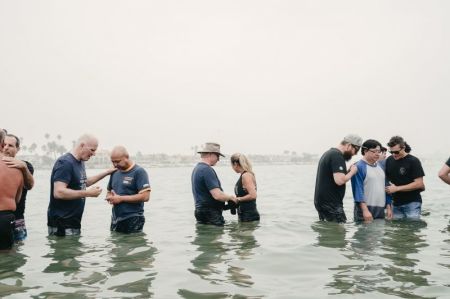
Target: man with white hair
128, 189
68, 190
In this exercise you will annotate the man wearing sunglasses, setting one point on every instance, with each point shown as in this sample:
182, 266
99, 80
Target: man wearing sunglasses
444, 173
331, 178
405, 174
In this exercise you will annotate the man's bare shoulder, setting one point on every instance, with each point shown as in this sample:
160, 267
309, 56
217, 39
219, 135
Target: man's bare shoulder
6, 171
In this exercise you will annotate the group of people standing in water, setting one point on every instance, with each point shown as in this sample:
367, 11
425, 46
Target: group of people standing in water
382, 188
127, 190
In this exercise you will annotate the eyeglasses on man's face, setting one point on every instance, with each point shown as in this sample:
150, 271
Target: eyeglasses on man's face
374, 151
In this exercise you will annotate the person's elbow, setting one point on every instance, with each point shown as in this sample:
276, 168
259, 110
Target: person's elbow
252, 195
58, 193
29, 185
146, 196
443, 174
339, 181
421, 185
216, 194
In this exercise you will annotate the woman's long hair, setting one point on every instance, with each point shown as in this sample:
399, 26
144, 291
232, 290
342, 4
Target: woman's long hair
242, 161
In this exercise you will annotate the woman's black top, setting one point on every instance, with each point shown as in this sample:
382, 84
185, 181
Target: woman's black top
247, 210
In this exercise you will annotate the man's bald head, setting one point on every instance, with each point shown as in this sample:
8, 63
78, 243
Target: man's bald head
120, 158
120, 151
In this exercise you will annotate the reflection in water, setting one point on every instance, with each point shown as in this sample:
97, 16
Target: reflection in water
216, 256
402, 239
380, 254
244, 242
212, 251
11, 279
132, 260
364, 274
446, 253
77, 270
330, 234
64, 253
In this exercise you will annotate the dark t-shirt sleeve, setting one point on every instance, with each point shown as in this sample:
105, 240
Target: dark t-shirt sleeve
109, 187
448, 162
337, 163
30, 167
417, 170
63, 172
142, 181
211, 180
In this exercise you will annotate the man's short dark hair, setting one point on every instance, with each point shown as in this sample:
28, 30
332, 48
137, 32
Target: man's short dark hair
396, 140
383, 149
369, 144
15, 137
407, 148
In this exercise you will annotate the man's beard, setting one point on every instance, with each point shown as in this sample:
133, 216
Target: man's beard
347, 156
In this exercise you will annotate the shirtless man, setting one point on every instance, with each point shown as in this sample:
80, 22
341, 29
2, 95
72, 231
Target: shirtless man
10, 149
10, 192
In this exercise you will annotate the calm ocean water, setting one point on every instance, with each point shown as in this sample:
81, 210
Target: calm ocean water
289, 254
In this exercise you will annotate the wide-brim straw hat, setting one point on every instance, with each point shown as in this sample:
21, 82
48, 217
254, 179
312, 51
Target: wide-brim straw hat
211, 147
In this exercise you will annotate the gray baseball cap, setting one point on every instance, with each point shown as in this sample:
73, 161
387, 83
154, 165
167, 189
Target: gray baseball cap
353, 139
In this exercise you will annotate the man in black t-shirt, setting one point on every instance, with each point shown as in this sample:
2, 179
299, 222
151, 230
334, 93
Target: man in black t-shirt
405, 174
10, 149
444, 173
331, 178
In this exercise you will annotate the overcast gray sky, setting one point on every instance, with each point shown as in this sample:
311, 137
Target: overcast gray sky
256, 76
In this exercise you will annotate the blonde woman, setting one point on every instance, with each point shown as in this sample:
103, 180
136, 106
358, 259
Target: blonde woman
245, 188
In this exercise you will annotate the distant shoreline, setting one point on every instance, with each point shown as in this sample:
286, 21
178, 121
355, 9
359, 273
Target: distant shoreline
102, 160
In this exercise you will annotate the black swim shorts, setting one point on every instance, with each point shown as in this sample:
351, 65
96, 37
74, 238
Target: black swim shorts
209, 216
330, 212
6, 229
129, 225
